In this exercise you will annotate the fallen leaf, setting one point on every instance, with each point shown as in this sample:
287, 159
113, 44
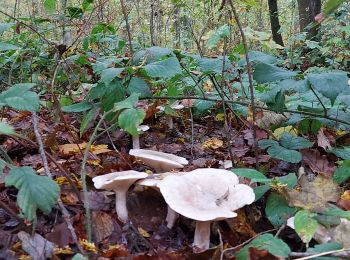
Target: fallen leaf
60, 235
212, 143
256, 254
344, 201
317, 162
322, 140
89, 247
36, 246
314, 195
143, 232
115, 251
71, 149
102, 225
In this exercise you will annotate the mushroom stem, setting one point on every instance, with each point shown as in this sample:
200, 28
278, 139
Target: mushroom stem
120, 206
202, 235
171, 217
169, 121
136, 142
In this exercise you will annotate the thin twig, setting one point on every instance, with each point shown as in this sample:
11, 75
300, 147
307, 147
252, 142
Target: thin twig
343, 253
65, 212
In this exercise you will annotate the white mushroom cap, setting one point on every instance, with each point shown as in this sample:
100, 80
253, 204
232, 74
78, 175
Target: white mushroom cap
206, 194
161, 162
143, 128
119, 182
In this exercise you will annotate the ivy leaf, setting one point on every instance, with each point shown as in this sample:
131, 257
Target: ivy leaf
167, 68
34, 191
131, 119
294, 142
305, 225
267, 242
265, 73
19, 97
50, 6
329, 84
277, 209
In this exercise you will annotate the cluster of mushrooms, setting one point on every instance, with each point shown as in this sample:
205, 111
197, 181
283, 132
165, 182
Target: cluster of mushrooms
203, 195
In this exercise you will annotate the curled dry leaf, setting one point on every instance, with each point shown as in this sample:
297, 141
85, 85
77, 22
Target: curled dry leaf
314, 195
317, 162
322, 140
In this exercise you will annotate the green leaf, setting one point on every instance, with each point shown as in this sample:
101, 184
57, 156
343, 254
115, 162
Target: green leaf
322, 248
78, 107
163, 69
290, 180
278, 104
138, 85
264, 73
266, 143
75, 12
202, 107
284, 154
88, 117
305, 225
329, 84
261, 190
337, 212
5, 26
258, 56
343, 153
342, 173
267, 242
6, 129
251, 174
331, 5
217, 35
19, 97
108, 75
34, 191
86, 4
8, 47
130, 102
131, 119
277, 209
294, 142
50, 6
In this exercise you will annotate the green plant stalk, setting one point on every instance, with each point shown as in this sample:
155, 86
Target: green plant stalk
88, 222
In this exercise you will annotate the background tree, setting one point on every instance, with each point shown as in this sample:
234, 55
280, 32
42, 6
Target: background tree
308, 9
275, 23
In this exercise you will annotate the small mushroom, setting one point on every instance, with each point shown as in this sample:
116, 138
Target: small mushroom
136, 139
119, 182
205, 195
169, 117
160, 162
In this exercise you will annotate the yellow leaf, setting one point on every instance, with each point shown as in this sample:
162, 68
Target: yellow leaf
63, 251
71, 149
90, 247
289, 129
212, 143
143, 232
220, 117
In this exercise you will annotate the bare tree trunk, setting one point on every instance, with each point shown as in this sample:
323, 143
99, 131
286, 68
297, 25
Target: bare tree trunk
177, 27
151, 25
308, 9
127, 25
275, 23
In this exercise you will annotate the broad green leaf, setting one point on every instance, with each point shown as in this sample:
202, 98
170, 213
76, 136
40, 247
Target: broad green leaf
217, 35
86, 4
152, 54
343, 153
5, 26
337, 212
331, 5
20, 97
342, 173
259, 57
266, 143
131, 119
264, 73
138, 85
75, 12
322, 248
261, 190
6, 129
290, 180
202, 107
267, 242
167, 68
50, 6
284, 154
278, 103
110, 74
305, 225
294, 142
87, 119
251, 174
329, 84
210, 65
277, 209
78, 107
130, 102
8, 47
34, 191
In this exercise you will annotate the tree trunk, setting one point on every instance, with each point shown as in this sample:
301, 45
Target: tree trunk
275, 23
308, 9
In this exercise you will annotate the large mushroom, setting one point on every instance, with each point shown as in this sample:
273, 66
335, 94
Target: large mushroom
120, 183
160, 162
205, 195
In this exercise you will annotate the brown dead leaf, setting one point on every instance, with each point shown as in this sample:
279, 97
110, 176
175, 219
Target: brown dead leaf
314, 195
115, 251
71, 149
344, 201
256, 254
322, 140
36, 246
102, 225
60, 235
317, 162
212, 143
